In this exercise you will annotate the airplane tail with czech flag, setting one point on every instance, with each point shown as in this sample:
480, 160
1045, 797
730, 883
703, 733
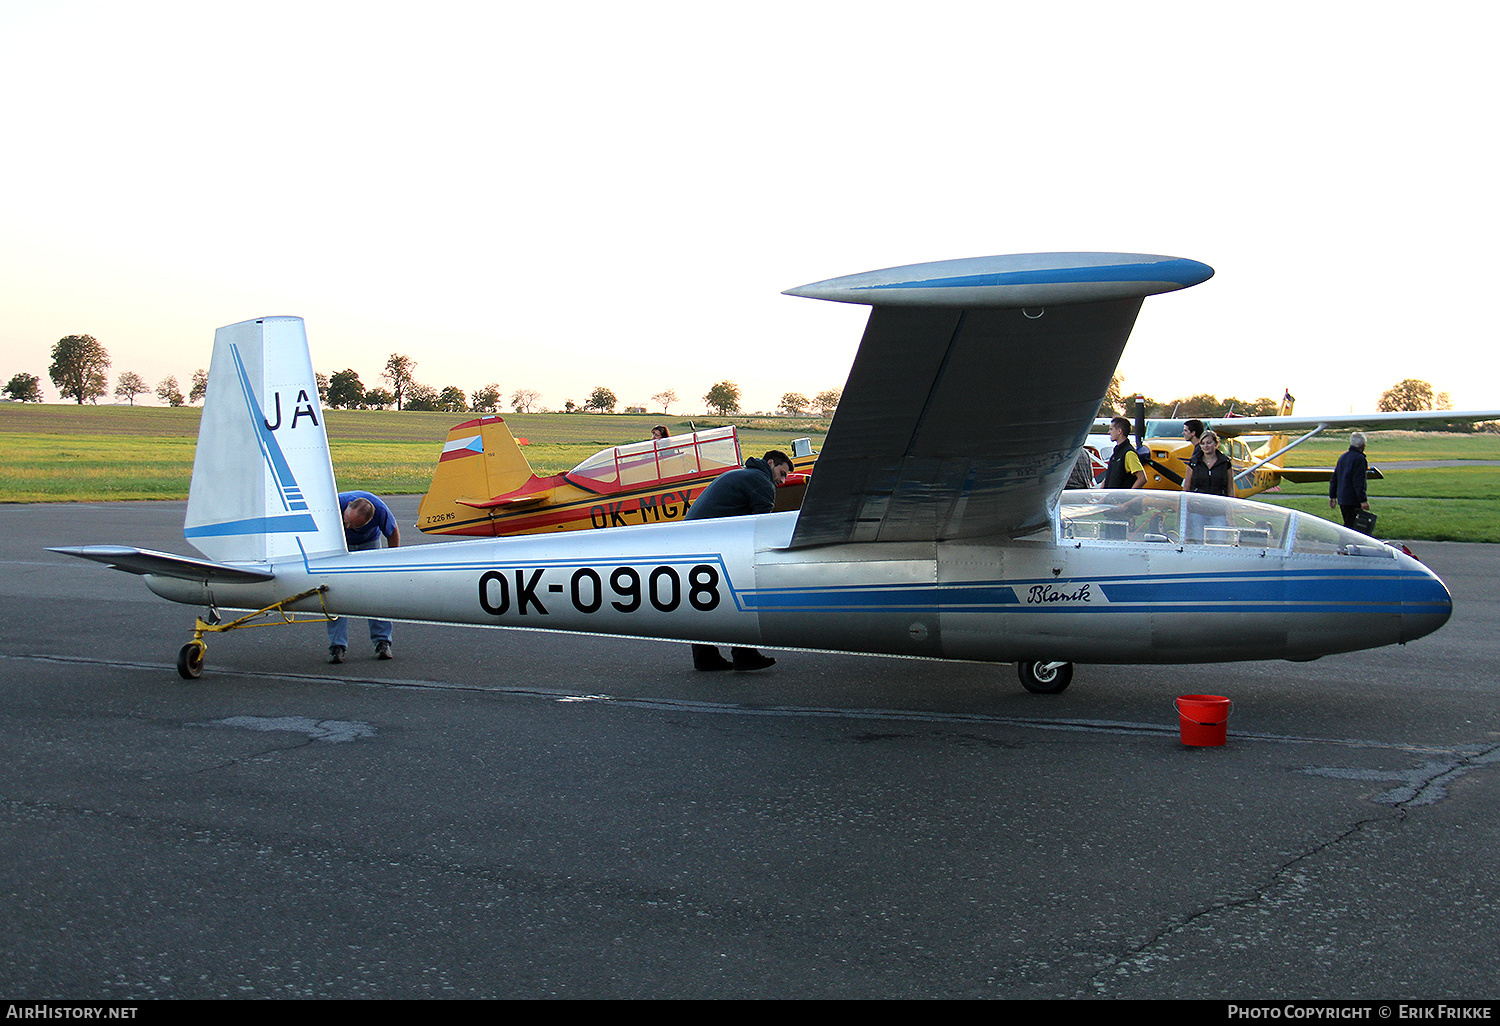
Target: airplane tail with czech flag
1279, 438
1268, 474
480, 459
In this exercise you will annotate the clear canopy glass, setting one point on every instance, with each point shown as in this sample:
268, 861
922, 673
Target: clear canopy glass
1190, 518
659, 461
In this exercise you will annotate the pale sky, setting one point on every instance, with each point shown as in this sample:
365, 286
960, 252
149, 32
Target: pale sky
559, 196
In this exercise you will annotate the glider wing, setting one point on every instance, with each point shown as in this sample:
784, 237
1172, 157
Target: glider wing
972, 391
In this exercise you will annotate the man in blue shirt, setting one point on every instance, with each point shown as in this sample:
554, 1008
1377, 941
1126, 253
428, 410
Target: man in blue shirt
366, 521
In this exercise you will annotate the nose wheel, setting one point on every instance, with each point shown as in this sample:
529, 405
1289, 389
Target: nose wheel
1045, 678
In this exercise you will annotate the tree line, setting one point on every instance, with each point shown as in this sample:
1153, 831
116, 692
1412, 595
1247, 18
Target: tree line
1409, 394
345, 390
79, 372
1203, 405
80, 366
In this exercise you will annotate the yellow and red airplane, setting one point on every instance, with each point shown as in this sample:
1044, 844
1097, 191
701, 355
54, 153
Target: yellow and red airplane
484, 486
1260, 468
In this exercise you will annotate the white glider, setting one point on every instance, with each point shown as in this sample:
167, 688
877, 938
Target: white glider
936, 525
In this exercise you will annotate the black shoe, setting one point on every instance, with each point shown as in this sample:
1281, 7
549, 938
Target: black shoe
706, 657
749, 659
382, 650
335, 653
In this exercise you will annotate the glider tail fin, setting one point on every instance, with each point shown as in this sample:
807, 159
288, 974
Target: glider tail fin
480, 460
263, 488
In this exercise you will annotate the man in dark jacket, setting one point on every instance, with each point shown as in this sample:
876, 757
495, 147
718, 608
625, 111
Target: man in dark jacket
1125, 469
1346, 489
737, 493
1192, 431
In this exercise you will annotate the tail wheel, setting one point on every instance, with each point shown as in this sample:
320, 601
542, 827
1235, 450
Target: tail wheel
1045, 678
190, 660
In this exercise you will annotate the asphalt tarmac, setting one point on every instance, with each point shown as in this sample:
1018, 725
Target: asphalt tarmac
520, 814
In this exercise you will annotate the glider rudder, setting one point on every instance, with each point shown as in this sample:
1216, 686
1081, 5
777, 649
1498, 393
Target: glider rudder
263, 488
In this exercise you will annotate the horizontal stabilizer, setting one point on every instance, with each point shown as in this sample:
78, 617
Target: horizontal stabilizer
164, 564
519, 502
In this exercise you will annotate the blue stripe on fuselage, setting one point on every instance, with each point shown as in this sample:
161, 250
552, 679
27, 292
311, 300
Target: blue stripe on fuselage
884, 597
1300, 590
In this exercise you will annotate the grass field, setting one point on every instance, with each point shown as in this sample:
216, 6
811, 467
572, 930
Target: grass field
1434, 503
1430, 503
1385, 446
69, 453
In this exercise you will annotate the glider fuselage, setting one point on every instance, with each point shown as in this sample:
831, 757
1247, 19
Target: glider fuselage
926, 530
734, 581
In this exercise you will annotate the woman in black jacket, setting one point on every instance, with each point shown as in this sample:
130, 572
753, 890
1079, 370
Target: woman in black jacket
1211, 472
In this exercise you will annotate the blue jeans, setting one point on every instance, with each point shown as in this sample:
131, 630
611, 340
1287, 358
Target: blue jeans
338, 630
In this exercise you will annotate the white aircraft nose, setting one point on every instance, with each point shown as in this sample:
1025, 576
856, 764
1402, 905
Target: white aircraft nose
1425, 604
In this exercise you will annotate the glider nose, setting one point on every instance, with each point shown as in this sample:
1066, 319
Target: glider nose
1425, 604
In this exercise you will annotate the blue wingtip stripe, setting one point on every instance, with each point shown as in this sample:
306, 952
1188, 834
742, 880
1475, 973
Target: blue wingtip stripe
1179, 272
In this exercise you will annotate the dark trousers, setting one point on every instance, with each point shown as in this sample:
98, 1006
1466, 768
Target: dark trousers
712, 652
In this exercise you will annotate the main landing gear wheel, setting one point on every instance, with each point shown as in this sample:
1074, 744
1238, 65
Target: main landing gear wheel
190, 660
1045, 678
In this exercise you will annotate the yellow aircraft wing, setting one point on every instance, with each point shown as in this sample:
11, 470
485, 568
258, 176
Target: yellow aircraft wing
1417, 420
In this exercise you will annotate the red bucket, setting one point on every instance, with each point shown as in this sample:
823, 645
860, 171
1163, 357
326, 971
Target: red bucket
1204, 719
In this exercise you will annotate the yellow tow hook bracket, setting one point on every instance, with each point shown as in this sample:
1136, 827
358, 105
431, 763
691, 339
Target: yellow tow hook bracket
190, 659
